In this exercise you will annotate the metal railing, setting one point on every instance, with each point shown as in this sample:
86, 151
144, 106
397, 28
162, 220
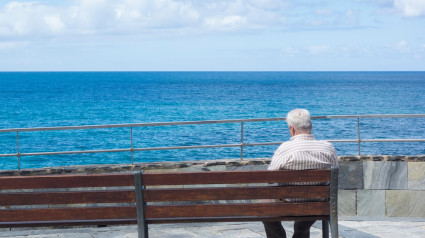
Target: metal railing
242, 144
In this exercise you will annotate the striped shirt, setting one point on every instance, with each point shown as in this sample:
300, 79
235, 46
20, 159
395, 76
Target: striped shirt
303, 152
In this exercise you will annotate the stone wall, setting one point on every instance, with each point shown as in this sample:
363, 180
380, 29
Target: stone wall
382, 186
375, 186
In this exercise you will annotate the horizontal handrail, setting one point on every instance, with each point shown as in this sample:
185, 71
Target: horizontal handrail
201, 122
241, 145
195, 147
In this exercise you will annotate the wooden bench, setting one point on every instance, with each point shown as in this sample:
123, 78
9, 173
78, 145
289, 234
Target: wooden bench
154, 198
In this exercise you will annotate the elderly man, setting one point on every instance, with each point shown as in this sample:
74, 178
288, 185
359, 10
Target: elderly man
300, 153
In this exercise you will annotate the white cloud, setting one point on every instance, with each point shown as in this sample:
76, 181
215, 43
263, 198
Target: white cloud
225, 23
410, 8
33, 18
136, 16
159, 13
54, 23
351, 16
356, 51
319, 49
384, 3
296, 51
290, 51
402, 47
329, 19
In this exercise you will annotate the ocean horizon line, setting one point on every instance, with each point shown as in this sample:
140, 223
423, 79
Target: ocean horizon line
209, 71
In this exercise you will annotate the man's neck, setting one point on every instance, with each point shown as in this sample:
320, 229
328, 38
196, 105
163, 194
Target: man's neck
300, 133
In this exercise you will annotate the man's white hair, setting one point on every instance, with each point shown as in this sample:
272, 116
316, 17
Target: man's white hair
300, 120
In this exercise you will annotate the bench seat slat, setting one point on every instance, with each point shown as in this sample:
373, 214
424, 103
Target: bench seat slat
66, 181
234, 193
77, 197
58, 214
235, 219
67, 223
154, 179
228, 210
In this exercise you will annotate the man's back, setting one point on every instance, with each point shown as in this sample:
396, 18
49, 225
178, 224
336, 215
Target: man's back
304, 152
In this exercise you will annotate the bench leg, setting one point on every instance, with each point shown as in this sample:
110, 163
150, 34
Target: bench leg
142, 226
334, 227
142, 230
333, 217
325, 229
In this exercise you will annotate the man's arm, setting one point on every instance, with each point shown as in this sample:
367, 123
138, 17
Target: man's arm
335, 157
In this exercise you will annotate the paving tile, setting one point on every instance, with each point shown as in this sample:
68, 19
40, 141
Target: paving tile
386, 228
380, 229
238, 233
248, 167
203, 168
56, 236
84, 235
175, 233
107, 234
152, 171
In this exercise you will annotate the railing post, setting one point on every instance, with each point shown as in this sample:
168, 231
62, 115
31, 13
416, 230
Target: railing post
17, 149
358, 132
242, 144
131, 147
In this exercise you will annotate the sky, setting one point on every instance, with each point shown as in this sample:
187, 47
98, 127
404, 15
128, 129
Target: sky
212, 35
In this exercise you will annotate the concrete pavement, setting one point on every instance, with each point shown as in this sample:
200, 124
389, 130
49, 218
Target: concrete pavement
348, 228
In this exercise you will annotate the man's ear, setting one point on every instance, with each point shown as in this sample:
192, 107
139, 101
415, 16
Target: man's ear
292, 130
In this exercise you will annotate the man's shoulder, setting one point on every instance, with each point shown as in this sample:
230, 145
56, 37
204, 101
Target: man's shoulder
312, 141
325, 142
305, 144
285, 145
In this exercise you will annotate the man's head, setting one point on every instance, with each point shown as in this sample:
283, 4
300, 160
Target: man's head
299, 122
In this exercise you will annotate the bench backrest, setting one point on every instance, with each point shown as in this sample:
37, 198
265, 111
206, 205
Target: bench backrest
67, 200
165, 198
236, 195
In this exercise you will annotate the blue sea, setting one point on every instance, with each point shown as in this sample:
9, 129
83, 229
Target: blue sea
50, 99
